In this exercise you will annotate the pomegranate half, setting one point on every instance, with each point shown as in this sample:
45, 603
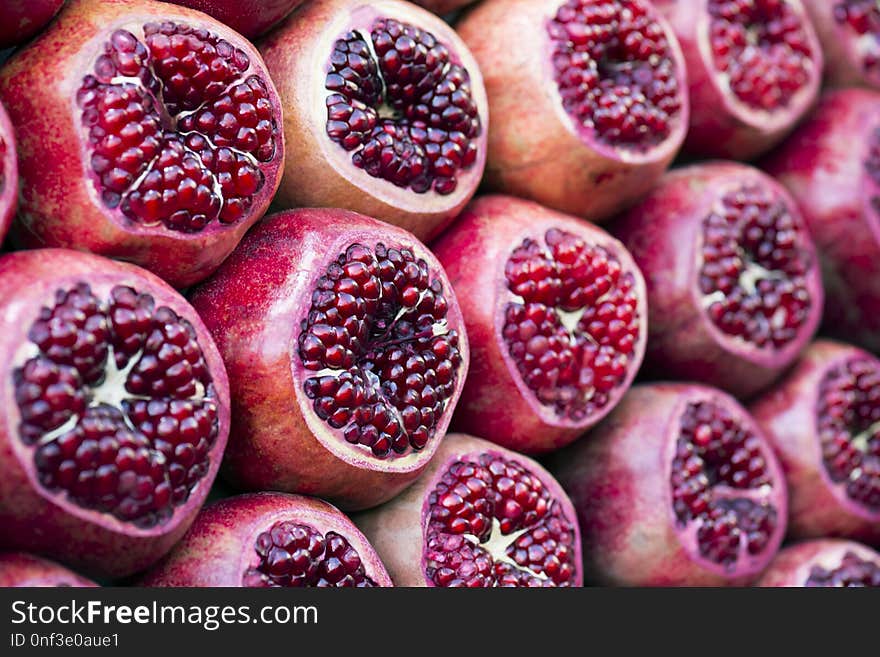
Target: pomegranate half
22, 19
116, 411
480, 516
8, 174
824, 562
556, 320
146, 132
20, 569
849, 31
384, 111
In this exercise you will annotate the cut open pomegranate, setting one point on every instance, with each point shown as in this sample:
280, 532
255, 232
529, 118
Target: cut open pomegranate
158, 140
8, 174
849, 31
825, 562
20, 569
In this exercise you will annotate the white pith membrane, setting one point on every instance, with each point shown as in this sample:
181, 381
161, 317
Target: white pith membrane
861, 18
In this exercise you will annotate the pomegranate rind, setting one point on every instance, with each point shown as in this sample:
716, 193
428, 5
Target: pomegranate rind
322, 173
9, 175
220, 546
22, 19
60, 205
496, 403
443, 7
35, 519
664, 234
398, 529
841, 47
791, 567
251, 18
20, 569
618, 478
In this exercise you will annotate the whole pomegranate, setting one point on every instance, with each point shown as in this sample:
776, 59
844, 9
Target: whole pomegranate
826, 562
116, 411
271, 540
251, 18
556, 319
754, 70
588, 99
22, 19
147, 132
8, 173
677, 487
734, 283
20, 569
823, 420
831, 166
849, 31
346, 355
384, 109
480, 516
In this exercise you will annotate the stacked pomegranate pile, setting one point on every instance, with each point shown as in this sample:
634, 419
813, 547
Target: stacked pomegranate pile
497, 293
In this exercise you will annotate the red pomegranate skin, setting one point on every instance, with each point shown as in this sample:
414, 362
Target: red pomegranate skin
20, 569
399, 528
60, 201
444, 7
665, 234
252, 18
254, 306
794, 565
618, 478
8, 174
789, 415
219, 549
849, 41
22, 19
34, 518
497, 403
826, 166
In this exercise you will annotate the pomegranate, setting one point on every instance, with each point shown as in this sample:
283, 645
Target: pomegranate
588, 99
271, 540
480, 516
827, 562
823, 420
384, 108
251, 18
444, 7
116, 411
734, 284
8, 173
754, 69
849, 31
677, 487
831, 166
556, 318
20, 569
346, 355
22, 19
158, 139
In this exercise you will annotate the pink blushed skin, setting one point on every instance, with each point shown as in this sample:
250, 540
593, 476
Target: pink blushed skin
496, 403
818, 507
823, 167
35, 519
792, 566
536, 150
22, 19
321, 174
397, 529
252, 18
8, 174
720, 124
254, 306
60, 201
220, 546
664, 234
20, 569
444, 7
618, 478
844, 48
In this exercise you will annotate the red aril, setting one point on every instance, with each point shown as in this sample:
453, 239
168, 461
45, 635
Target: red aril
824, 562
849, 31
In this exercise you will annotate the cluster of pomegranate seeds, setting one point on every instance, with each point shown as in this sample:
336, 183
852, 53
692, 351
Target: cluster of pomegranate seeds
177, 129
763, 48
294, 554
494, 523
388, 362
402, 106
573, 325
852, 572
754, 266
862, 16
720, 481
848, 421
615, 70
118, 404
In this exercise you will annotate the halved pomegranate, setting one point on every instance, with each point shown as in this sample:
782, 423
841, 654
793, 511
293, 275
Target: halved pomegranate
823, 420
849, 31
588, 99
116, 411
825, 562
20, 569
733, 279
252, 18
384, 109
754, 70
556, 318
8, 173
22, 19
480, 516
677, 487
146, 133
271, 540
346, 355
